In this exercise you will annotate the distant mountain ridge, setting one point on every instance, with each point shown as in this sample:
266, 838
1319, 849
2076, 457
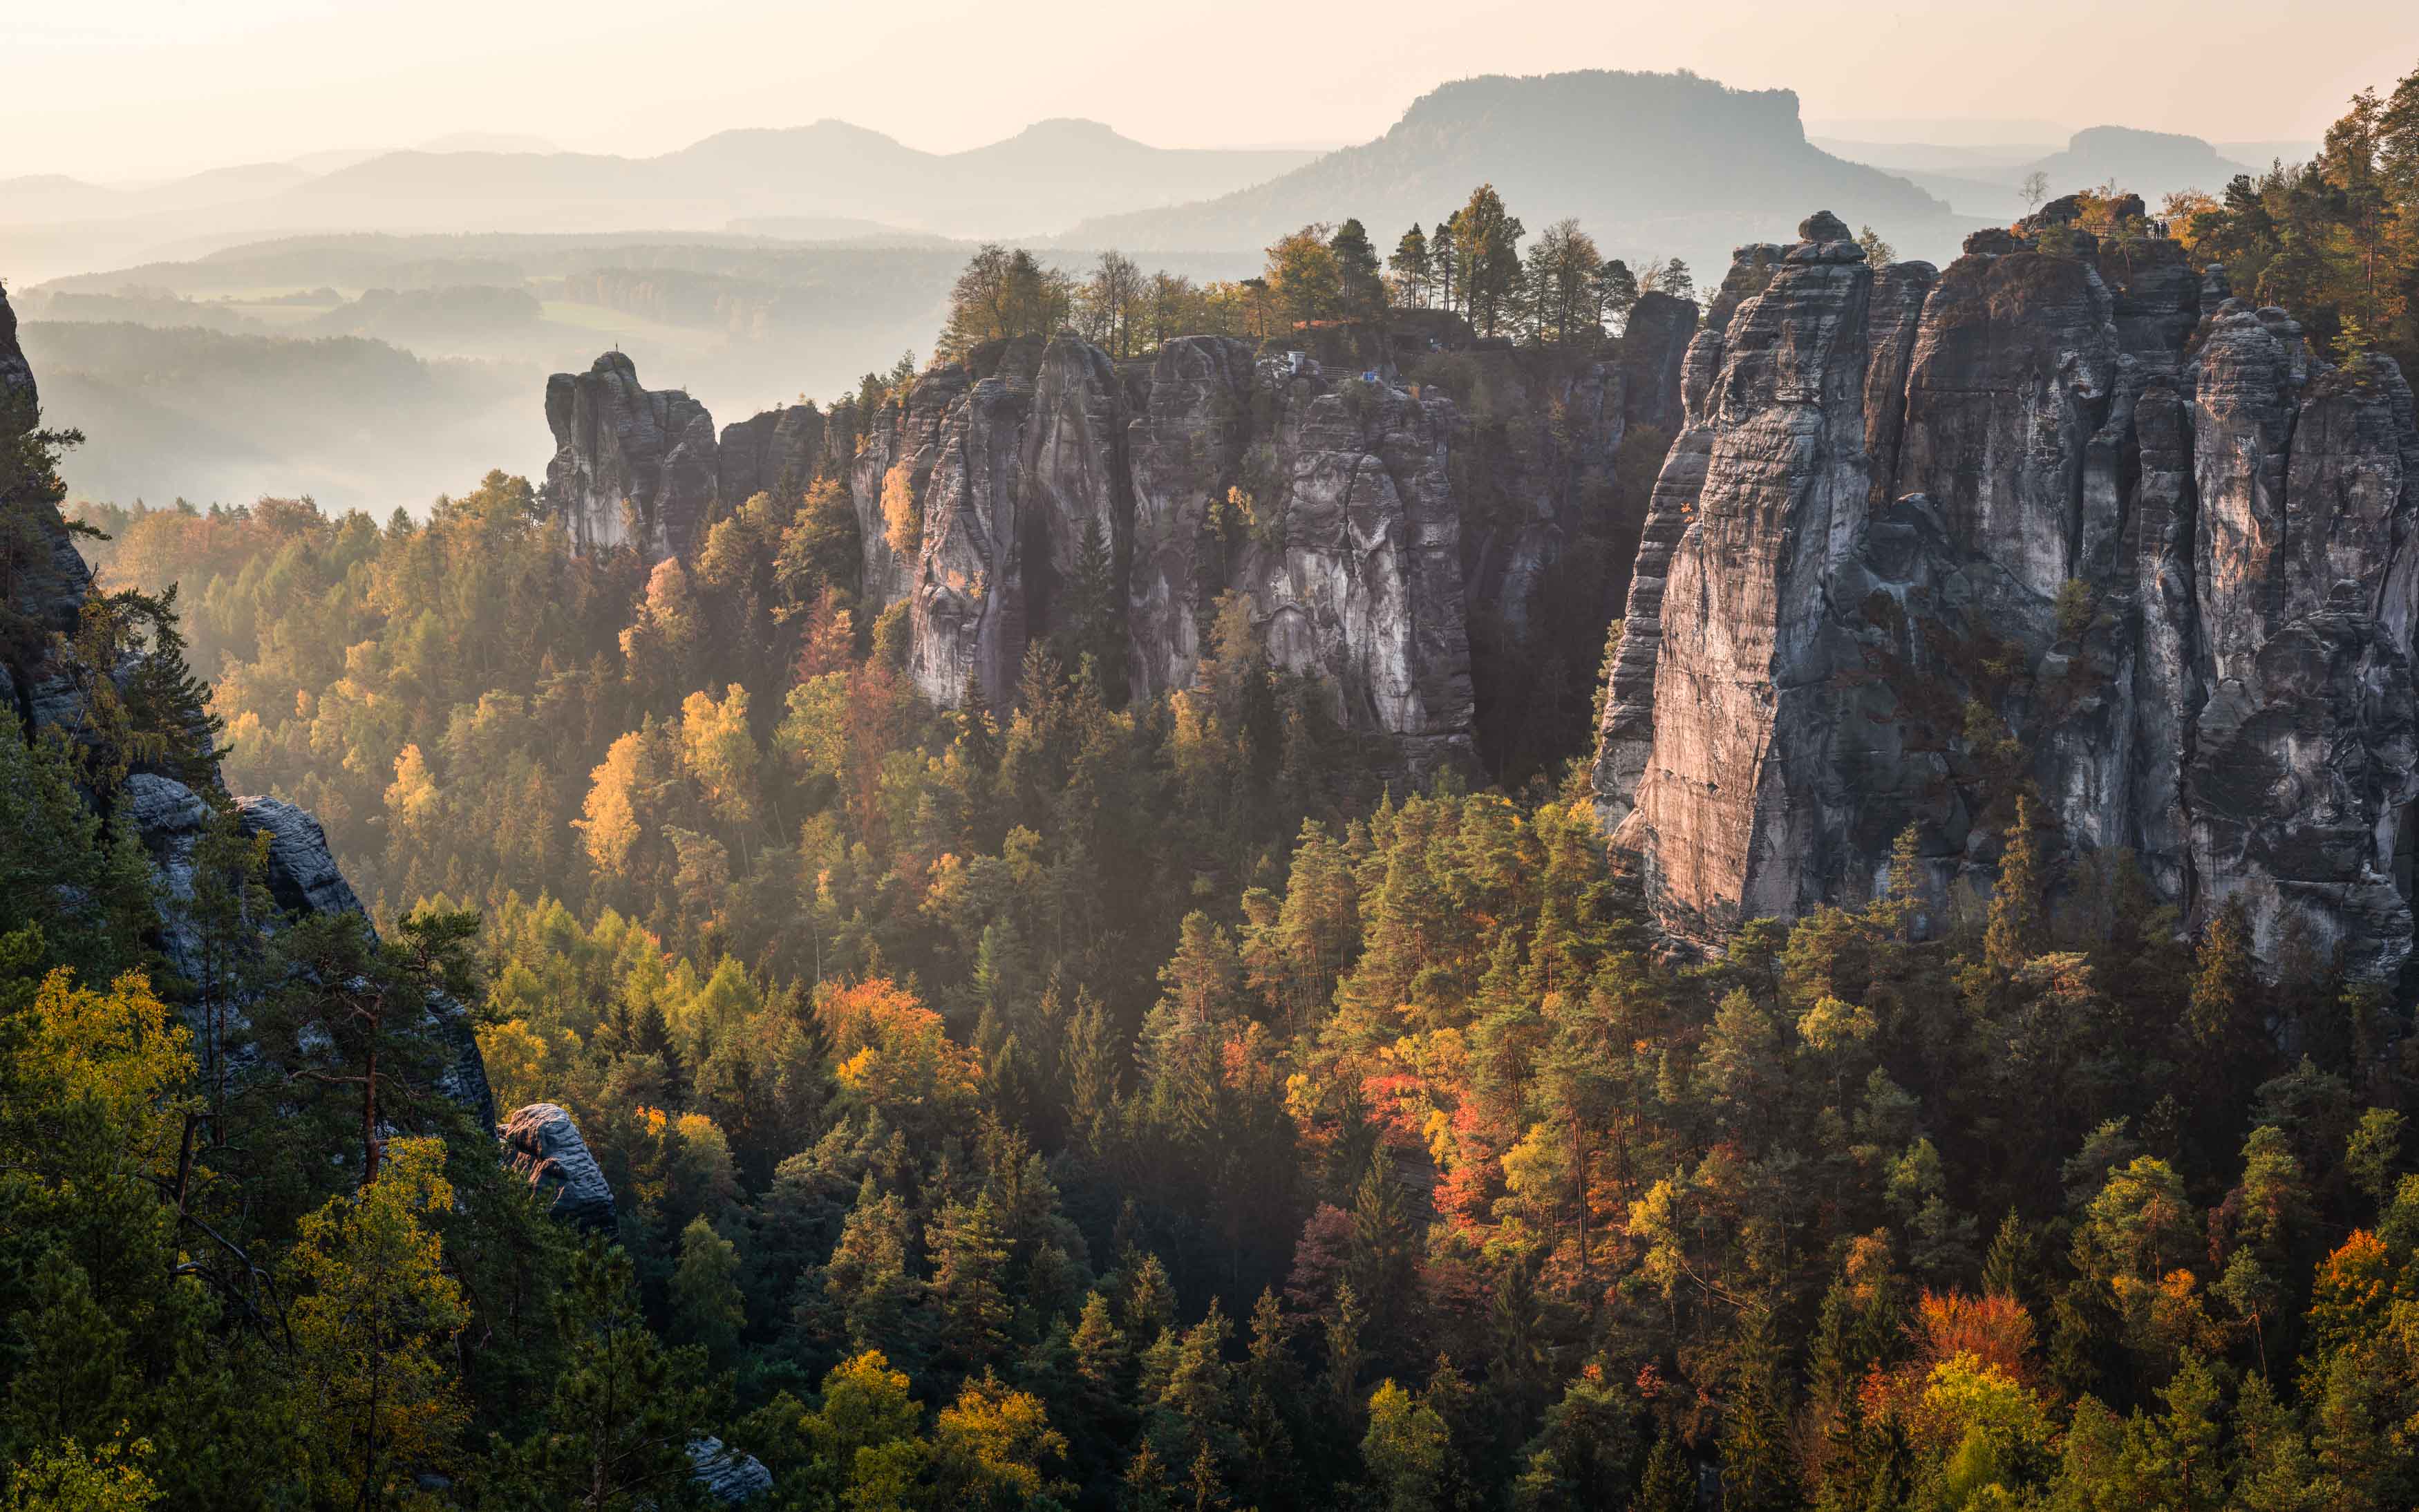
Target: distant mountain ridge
1664, 162
2151, 164
1043, 179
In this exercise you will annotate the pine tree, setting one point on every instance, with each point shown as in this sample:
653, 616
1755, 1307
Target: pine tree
2224, 982
372, 1327
707, 1310
2015, 932
623, 1409
1410, 266
1757, 1469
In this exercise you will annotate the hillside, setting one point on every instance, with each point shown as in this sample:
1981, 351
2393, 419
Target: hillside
1044, 177
1652, 164
1987, 182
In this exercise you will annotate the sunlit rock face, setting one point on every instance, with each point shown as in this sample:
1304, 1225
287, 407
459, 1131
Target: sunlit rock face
2059, 520
1323, 503
1038, 492
543, 1147
632, 465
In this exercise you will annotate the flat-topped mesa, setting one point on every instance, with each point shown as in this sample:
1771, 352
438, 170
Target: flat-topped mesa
632, 465
2059, 520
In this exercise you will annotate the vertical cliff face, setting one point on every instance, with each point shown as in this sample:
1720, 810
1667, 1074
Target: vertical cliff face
1364, 519
2071, 525
967, 610
1654, 348
1326, 506
777, 451
1078, 479
1352, 561
616, 444
1185, 449
42, 684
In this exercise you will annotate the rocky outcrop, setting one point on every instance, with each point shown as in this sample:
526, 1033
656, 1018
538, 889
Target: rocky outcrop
1078, 485
167, 813
1654, 346
543, 1147
632, 465
1352, 561
1186, 450
727, 1475
779, 451
966, 608
1327, 505
2059, 520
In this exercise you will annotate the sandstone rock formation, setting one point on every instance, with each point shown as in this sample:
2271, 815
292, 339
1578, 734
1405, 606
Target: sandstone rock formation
777, 451
728, 1476
632, 465
2060, 519
543, 1145
1654, 346
1363, 521
39, 683
1325, 504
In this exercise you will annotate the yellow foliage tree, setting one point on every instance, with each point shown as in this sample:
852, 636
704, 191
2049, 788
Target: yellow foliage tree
991, 1447
371, 1325
718, 753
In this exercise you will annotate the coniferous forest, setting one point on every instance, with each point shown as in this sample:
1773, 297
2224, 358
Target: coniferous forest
1118, 1102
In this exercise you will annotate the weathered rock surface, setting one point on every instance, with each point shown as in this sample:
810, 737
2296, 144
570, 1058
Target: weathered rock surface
168, 816
777, 451
1327, 505
1186, 446
1354, 568
543, 1146
2064, 523
967, 611
1364, 519
1654, 346
729, 1477
618, 444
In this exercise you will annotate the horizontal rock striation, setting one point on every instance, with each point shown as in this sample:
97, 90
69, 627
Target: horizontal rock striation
543, 1147
2062, 520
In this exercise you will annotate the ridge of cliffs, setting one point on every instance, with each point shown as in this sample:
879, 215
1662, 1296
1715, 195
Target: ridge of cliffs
167, 802
2061, 521
1372, 526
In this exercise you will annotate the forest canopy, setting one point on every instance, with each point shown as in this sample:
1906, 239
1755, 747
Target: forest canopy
1120, 1102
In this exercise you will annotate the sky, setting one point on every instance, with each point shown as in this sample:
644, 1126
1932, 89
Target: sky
129, 88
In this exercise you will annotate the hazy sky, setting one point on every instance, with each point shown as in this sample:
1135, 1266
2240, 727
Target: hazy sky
116, 88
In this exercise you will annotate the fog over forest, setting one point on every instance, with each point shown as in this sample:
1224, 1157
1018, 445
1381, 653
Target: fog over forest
1444, 780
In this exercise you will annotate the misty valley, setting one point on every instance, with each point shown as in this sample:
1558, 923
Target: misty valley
1620, 801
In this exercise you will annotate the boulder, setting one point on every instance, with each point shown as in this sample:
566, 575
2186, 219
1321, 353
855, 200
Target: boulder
728, 1476
543, 1145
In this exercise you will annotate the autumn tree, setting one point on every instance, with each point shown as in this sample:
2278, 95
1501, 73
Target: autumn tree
373, 1324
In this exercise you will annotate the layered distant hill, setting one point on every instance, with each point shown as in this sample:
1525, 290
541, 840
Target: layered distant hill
1986, 179
828, 181
1651, 162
